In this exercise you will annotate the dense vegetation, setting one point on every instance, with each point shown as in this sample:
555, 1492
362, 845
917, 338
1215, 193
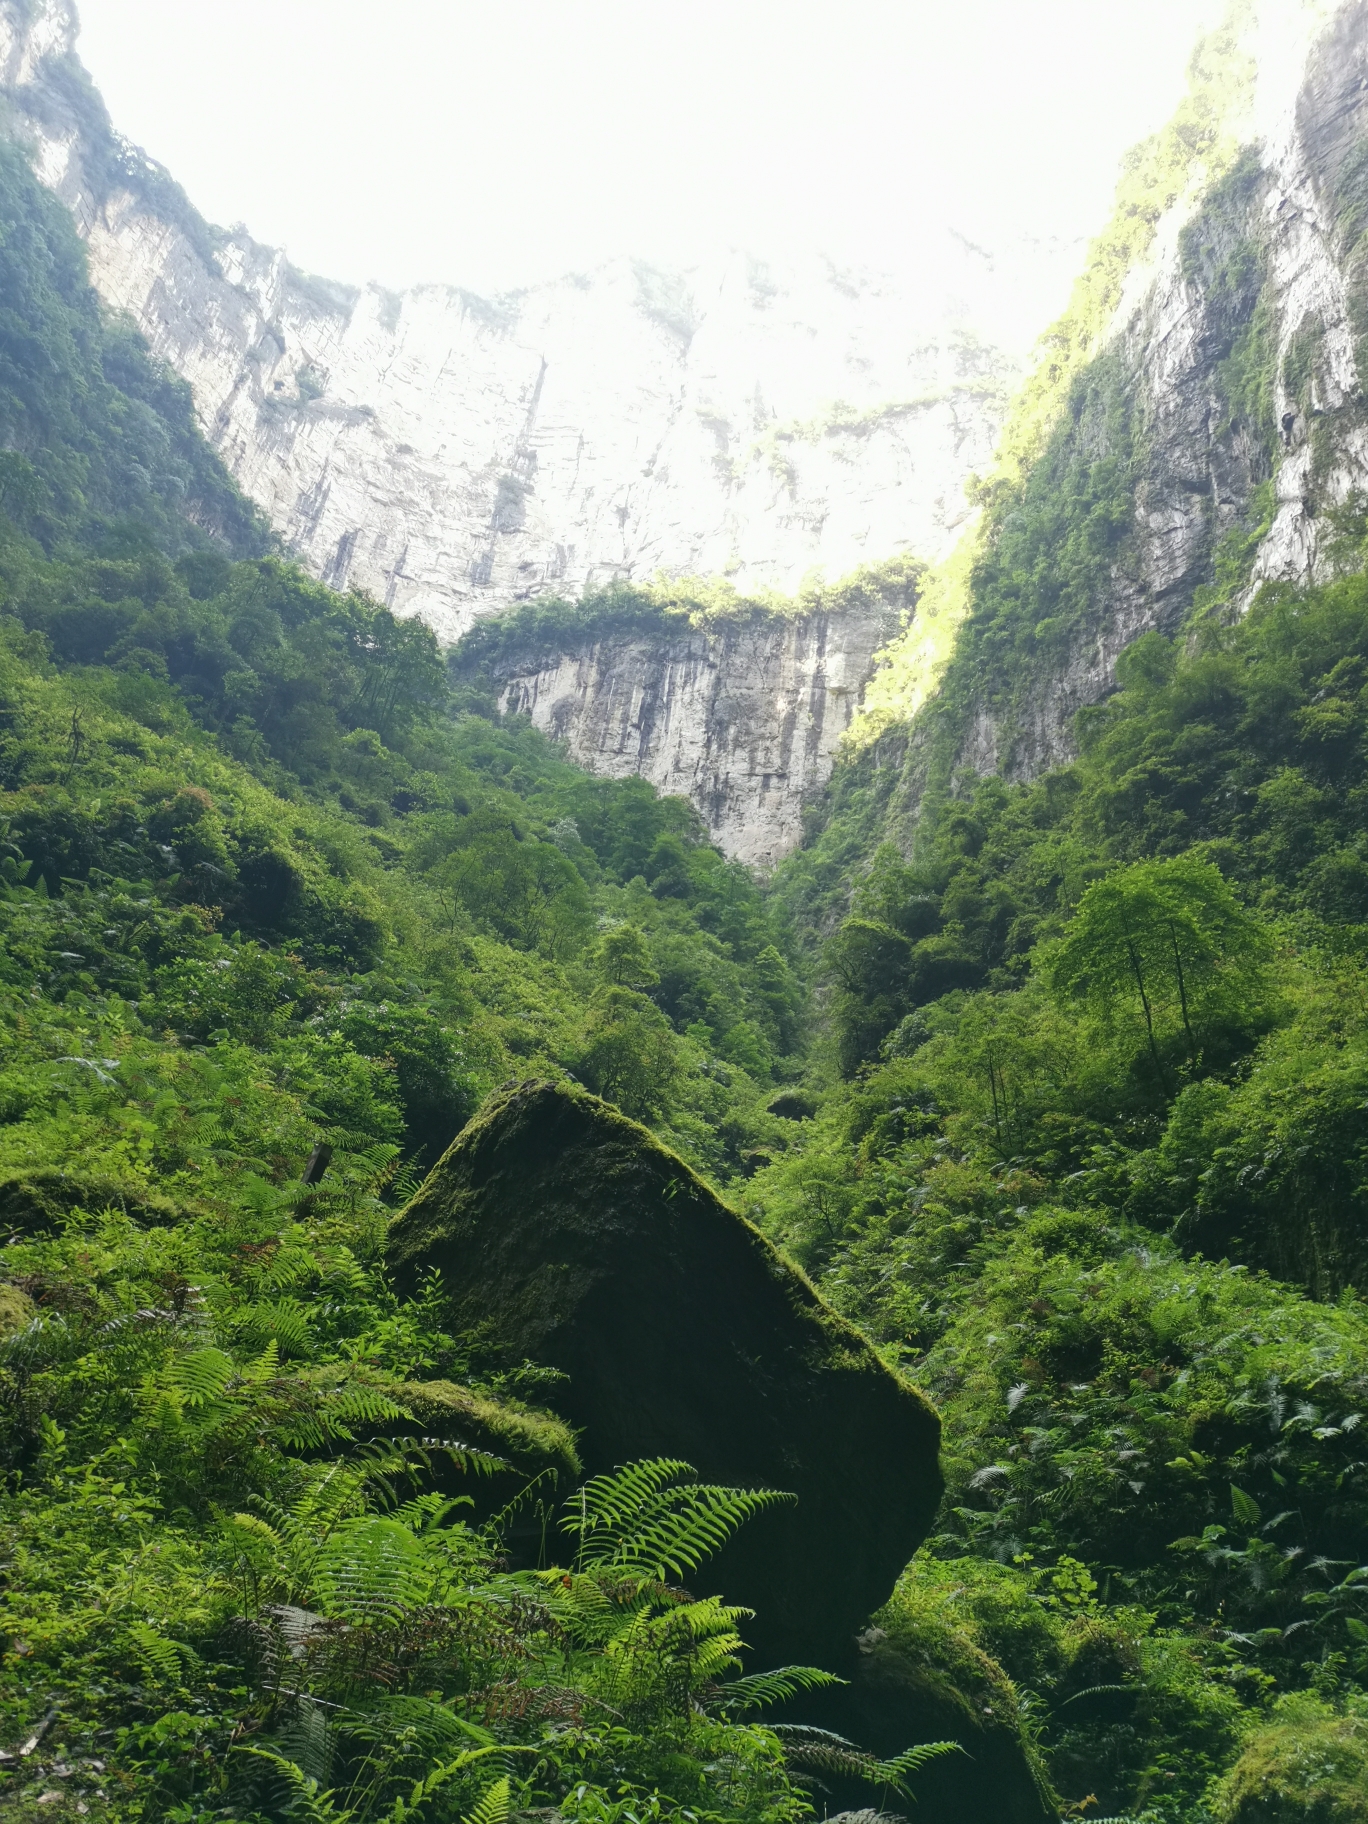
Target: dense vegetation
272, 920
1096, 1175
1072, 1127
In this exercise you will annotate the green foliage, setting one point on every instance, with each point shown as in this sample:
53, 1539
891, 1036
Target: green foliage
1312, 1762
1170, 936
274, 916
99, 441
656, 1520
1052, 1186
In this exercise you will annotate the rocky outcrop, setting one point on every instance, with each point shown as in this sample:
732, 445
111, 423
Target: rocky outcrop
1236, 390
451, 454
567, 1235
743, 717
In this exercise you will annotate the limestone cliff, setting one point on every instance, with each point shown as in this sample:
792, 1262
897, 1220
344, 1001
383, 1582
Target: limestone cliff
743, 717
451, 454
1220, 433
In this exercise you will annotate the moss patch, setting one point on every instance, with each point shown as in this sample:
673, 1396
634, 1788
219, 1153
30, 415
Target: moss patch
531, 1441
32, 1203
1311, 1767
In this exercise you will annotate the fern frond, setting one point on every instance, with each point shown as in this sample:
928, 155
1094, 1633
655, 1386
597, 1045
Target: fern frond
500, 1804
371, 1569
307, 1801
900, 1769
1099, 1691
655, 1519
266, 1366
425, 1513
432, 1725
760, 1688
161, 1658
613, 1499
492, 1806
201, 1376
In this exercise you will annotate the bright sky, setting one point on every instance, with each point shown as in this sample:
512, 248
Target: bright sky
493, 145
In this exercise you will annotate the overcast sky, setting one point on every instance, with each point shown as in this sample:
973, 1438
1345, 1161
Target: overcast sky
492, 145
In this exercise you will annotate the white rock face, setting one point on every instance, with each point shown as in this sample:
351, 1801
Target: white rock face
1201, 463
743, 719
451, 454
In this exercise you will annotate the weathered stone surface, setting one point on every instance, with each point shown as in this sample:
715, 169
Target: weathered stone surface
743, 718
34, 1203
571, 1237
1307, 121
451, 453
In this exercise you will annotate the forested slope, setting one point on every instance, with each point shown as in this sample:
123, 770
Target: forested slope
1058, 1095
275, 914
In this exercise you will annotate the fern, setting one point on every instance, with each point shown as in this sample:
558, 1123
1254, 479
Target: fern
372, 1569
821, 1751
307, 1801
899, 1770
202, 1376
492, 1806
758, 1689
655, 1519
162, 1659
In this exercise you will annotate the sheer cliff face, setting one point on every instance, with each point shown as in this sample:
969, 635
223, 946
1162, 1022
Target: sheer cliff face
1235, 398
744, 718
451, 454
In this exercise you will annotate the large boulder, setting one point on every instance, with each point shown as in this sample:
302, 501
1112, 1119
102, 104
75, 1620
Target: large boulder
568, 1235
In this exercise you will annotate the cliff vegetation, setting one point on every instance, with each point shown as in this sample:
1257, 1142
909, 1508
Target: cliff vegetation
1058, 1102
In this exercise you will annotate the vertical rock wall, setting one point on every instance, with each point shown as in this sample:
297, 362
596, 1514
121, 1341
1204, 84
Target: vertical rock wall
452, 454
1237, 395
742, 718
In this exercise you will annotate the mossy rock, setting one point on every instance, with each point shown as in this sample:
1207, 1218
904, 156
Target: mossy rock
568, 1235
530, 1441
1310, 1767
918, 1678
35, 1203
17, 1310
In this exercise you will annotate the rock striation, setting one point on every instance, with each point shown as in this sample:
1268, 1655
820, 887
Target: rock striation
743, 717
1239, 397
569, 1236
451, 454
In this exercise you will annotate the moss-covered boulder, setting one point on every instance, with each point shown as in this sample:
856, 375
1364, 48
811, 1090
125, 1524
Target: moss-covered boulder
1309, 1767
528, 1440
34, 1203
568, 1235
920, 1677
17, 1310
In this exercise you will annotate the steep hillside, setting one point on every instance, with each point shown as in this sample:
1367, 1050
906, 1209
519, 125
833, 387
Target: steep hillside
272, 922
1071, 1129
1195, 425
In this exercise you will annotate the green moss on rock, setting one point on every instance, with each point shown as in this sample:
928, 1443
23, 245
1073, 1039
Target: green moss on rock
568, 1235
32, 1203
16, 1310
531, 1441
920, 1677
1310, 1767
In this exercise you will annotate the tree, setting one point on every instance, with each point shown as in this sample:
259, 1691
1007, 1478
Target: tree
629, 1054
1167, 938
871, 966
625, 960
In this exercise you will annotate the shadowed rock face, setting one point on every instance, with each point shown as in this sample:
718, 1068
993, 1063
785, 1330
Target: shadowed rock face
572, 1237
